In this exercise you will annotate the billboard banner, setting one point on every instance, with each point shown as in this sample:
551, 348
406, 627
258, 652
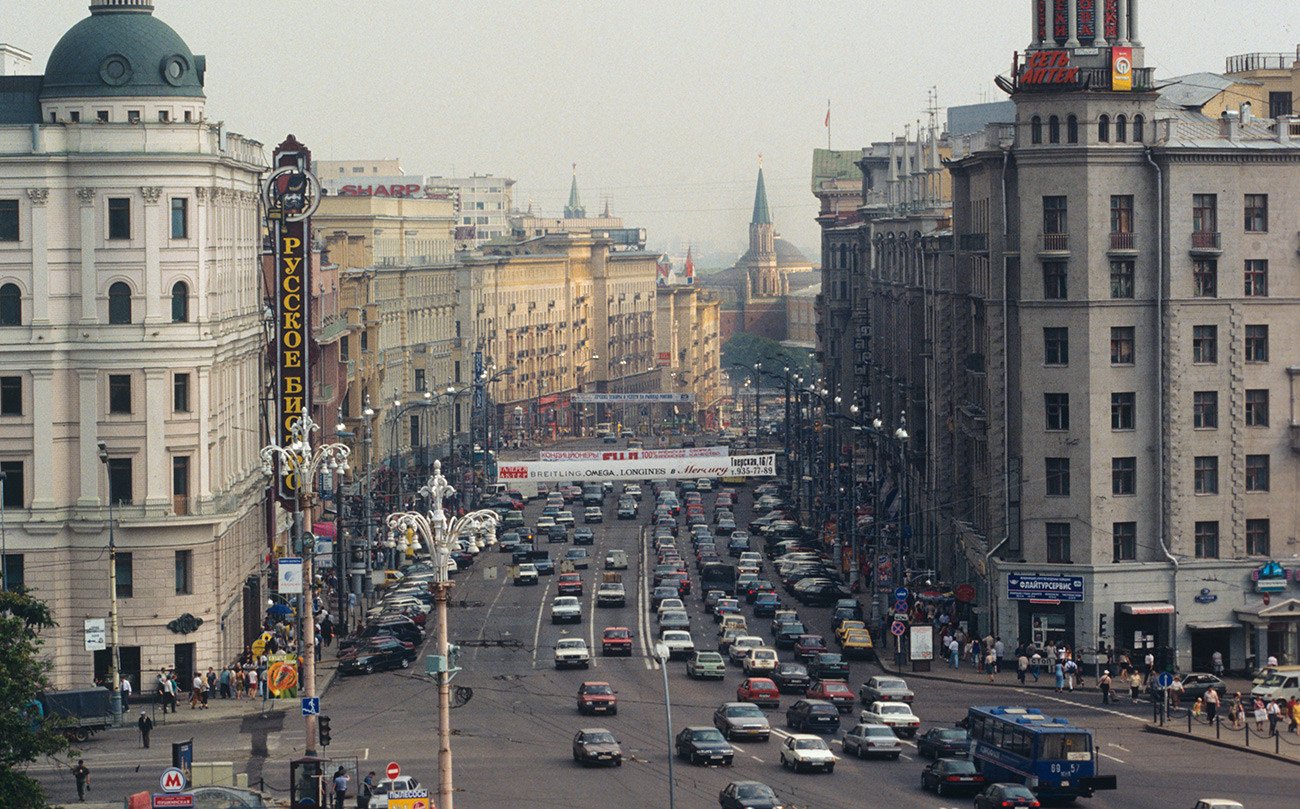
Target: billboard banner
608, 398
641, 468
282, 676
922, 644
1047, 589
290, 578
1121, 68
632, 454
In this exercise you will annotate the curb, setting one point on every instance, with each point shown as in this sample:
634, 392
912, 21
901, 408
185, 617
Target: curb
889, 668
1166, 731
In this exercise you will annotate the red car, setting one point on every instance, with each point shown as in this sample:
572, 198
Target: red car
569, 584
761, 691
597, 697
806, 647
617, 640
836, 692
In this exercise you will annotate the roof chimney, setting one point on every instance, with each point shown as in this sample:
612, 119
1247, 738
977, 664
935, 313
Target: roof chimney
1231, 125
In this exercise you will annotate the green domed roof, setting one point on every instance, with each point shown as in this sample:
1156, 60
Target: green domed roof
122, 51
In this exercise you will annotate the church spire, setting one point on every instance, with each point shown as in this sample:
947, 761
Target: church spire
574, 209
762, 214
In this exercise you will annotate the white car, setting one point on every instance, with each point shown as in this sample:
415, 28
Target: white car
750, 557
741, 646
803, 751
566, 609
679, 642
897, 715
564, 518
526, 574
760, 660
670, 604
611, 594
572, 652
401, 783
872, 740
616, 560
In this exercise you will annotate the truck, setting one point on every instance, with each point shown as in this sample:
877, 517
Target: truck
83, 712
718, 576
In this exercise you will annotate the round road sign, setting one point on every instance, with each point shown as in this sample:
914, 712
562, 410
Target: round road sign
897, 628
900, 594
392, 770
965, 593
1164, 679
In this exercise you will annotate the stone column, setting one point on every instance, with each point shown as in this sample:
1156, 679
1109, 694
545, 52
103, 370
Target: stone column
89, 238
40, 258
43, 486
1072, 13
88, 436
201, 196
1122, 39
157, 469
152, 285
1133, 22
199, 402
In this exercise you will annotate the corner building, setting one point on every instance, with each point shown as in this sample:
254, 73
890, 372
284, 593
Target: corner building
131, 301
1135, 272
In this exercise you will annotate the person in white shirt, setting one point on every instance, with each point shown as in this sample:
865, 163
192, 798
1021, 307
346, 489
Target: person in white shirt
126, 693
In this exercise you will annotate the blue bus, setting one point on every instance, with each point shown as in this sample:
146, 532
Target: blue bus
1049, 755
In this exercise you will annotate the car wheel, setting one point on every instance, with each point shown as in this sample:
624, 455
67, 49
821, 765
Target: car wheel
894, 757
938, 788
369, 668
830, 768
406, 663
618, 762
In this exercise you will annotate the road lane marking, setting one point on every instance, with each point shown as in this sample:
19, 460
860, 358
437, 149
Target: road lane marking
1084, 705
1112, 758
1118, 747
537, 630
756, 758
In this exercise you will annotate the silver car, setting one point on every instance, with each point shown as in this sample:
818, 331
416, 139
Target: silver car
742, 720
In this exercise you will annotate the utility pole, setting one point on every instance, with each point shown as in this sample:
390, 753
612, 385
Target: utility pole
114, 672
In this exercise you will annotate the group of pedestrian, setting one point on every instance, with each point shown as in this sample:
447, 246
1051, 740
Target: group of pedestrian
365, 790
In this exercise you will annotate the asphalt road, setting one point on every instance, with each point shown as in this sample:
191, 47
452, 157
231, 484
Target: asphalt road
512, 738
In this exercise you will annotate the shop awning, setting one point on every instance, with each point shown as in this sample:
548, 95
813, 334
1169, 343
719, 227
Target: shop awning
1207, 626
1148, 608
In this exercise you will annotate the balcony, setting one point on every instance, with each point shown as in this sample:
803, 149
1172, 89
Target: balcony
973, 242
1123, 243
1054, 243
1207, 243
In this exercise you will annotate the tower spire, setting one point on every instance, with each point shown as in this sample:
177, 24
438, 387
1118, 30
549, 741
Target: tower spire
574, 209
762, 214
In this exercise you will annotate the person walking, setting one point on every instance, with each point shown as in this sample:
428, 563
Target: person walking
1293, 715
990, 663
1103, 685
1134, 684
209, 686
1058, 670
1274, 713
162, 690
1261, 715
1071, 668
251, 674
340, 787
1216, 663
366, 790
1212, 705
954, 652
1022, 667
196, 692
81, 773
145, 723
225, 682
125, 688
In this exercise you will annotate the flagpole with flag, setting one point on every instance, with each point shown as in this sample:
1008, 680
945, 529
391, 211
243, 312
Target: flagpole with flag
828, 124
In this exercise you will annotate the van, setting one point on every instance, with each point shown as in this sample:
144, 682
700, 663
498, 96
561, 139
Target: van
1282, 683
616, 559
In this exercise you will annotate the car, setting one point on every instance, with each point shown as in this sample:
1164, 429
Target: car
742, 720
674, 619
377, 654
765, 604
1195, 685
943, 743
1217, 803
884, 688
828, 666
593, 514
759, 690
627, 511
679, 642
820, 592
611, 594
726, 526
1006, 796
947, 776
616, 640
806, 647
725, 606
729, 635
872, 740
836, 692
857, 645
554, 534
525, 574
597, 746
785, 634
572, 652
658, 594
791, 678
812, 714
748, 795
803, 752
508, 541
545, 566
898, 715
584, 536
703, 745
566, 609
740, 647
578, 557
844, 627
597, 697
669, 605
682, 580
706, 666
401, 783
569, 584
513, 519
760, 659
564, 518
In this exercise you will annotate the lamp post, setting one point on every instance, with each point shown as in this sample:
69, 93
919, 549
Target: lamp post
299, 464
114, 670
661, 652
368, 494
438, 532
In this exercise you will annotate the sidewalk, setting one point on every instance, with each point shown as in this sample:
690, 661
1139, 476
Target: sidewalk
1283, 746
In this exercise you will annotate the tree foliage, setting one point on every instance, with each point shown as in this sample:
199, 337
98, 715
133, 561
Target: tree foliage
24, 736
747, 350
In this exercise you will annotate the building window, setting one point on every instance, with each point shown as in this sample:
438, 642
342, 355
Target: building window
180, 218
1205, 278
415, 431
1257, 213
1035, 130
1056, 345
1072, 129
181, 393
119, 481
420, 384
11, 305
124, 575
180, 302
1054, 129
1121, 128
1256, 278
1058, 477
1257, 407
9, 220
343, 348
1121, 279
1121, 213
181, 484
119, 303
101, 116
133, 116
1123, 476
1125, 541
164, 116
1205, 344
365, 342
1257, 343
1139, 129
1054, 215
1256, 473
1205, 213
1257, 543
1122, 406
15, 489
1054, 280
119, 393
11, 395
1279, 104
1206, 474
1058, 543
1207, 539
14, 577
1058, 410
1121, 345
1103, 129
183, 568
1205, 409
119, 218
74, 116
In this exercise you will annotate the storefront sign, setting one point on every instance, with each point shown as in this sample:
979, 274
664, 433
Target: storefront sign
633, 454
1271, 578
1049, 68
607, 398
1045, 589
407, 190
641, 468
1121, 68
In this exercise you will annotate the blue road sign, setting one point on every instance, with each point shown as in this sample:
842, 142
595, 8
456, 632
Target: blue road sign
1164, 679
898, 628
900, 594
900, 606
311, 706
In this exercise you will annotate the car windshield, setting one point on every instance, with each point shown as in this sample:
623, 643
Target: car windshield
755, 791
617, 633
1274, 681
952, 735
599, 738
597, 689
571, 644
745, 710
707, 735
887, 683
810, 744
959, 767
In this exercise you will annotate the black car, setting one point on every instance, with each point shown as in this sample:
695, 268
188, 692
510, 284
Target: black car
942, 742
820, 593
377, 654
748, 795
828, 666
951, 776
557, 533
787, 633
1011, 796
402, 629
583, 536
704, 745
813, 715
791, 678
597, 746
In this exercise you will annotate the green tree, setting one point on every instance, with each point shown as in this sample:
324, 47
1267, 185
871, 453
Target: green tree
747, 350
24, 736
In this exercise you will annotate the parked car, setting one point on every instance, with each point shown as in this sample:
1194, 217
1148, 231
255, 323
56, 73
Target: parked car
742, 720
872, 740
1195, 685
597, 746
704, 745
947, 776
706, 666
803, 752
943, 743
597, 697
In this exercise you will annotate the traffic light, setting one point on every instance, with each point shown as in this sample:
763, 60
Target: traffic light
1101, 625
324, 725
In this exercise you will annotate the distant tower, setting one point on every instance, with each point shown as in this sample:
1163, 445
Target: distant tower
574, 209
764, 278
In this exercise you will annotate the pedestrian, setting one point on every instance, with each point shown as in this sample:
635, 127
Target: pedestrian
1212, 705
1216, 662
999, 652
1071, 668
196, 687
1175, 692
990, 663
146, 726
1148, 666
210, 686
1274, 713
954, 653
225, 682
327, 629
1234, 713
1293, 715
1059, 671
340, 787
1022, 667
251, 674
261, 676
1261, 715
1134, 684
1103, 685
1035, 663
82, 775
366, 790
162, 689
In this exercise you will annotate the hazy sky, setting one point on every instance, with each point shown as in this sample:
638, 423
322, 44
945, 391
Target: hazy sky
665, 105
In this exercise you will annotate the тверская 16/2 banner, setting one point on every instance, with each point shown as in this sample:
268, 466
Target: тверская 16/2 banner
640, 468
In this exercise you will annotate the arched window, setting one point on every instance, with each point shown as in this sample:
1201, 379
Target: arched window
1103, 129
1072, 129
1035, 130
1139, 129
11, 305
180, 302
119, 303
1121, 128
1054, 129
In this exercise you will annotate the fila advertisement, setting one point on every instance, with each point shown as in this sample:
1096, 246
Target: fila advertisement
641, 468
